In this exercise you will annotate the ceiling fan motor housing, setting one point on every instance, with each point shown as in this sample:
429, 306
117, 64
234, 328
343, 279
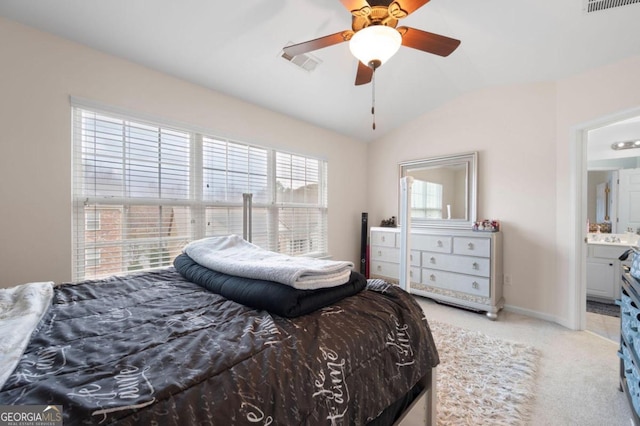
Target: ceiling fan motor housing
378, 15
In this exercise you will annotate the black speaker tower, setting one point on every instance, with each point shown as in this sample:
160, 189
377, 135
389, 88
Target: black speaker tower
363, 245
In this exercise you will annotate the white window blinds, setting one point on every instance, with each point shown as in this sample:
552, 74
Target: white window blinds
143, 190
301, 191
229, 170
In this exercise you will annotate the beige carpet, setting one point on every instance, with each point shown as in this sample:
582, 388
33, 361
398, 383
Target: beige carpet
577, 381
483, 380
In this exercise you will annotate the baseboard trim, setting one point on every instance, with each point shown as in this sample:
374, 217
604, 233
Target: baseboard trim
536, 314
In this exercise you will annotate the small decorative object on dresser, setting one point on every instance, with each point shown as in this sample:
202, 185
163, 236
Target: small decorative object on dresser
486, 226
389, 223
454, 266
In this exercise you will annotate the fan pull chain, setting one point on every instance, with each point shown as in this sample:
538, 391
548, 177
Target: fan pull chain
373, 98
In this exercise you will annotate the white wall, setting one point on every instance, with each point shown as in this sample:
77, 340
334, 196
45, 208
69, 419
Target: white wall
38, 74
526, 137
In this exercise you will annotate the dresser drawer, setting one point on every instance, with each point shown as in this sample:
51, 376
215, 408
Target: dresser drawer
435, 278
480, 266
414, 275
381, 238
414, 258
435, 243
385, 254
472, 246
478, 286
385, 269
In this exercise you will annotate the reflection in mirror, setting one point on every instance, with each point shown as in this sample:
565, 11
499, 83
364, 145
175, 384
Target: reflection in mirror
444, 190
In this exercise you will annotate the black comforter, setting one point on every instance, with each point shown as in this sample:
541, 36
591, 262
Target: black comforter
155, 348
277, 298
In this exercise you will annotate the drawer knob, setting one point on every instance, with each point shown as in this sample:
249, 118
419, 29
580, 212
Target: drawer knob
411, 257
475, 265
379, 268
475, 285
379, 252
383, 238
432, 260
439, 243
470, 246
432, 277
411, 274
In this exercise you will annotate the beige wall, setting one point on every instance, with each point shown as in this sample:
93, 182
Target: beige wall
526, 139
38, 74
513, 130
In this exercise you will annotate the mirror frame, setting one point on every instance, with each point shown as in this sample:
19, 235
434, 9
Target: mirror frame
470, 161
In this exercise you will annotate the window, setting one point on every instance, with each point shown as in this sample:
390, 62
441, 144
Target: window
143, 190
92, 220
426, 200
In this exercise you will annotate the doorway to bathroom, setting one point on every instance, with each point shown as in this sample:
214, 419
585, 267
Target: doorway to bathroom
610, 201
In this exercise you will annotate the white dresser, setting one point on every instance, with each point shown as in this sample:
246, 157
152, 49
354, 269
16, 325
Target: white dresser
458, 267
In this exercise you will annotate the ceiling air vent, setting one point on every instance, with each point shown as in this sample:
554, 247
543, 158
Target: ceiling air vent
597, 5
305, 61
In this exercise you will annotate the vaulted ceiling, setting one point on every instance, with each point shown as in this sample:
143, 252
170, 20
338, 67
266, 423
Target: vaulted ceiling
235, 47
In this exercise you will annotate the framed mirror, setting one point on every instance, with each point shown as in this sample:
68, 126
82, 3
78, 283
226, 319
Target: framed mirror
444, 189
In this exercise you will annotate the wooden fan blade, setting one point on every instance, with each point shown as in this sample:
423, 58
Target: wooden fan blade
353, 6
428, 42
364, 74
318, 43
406, 6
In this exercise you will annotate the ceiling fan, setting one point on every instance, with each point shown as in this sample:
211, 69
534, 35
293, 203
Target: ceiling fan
375, 37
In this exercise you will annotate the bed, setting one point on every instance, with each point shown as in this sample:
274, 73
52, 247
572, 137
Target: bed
156, 348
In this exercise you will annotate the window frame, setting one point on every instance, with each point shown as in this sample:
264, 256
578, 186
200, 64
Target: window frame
196, 199
422, 193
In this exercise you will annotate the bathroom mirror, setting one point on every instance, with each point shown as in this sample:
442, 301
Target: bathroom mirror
444, 189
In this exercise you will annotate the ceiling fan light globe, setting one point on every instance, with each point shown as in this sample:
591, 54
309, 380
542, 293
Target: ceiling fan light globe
376, 43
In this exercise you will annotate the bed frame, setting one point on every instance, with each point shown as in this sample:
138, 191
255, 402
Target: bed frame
423, 409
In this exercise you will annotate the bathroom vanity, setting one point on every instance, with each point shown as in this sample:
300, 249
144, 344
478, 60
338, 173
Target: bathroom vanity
603, 267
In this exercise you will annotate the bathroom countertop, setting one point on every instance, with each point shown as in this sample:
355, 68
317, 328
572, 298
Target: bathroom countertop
620, 240
609, 243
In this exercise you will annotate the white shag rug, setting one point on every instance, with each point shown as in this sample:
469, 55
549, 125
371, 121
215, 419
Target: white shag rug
483, 380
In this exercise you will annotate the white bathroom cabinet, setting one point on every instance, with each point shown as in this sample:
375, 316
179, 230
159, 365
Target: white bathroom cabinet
604, 271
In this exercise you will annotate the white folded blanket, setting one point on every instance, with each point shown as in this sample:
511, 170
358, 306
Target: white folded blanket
21, 309
234, 256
